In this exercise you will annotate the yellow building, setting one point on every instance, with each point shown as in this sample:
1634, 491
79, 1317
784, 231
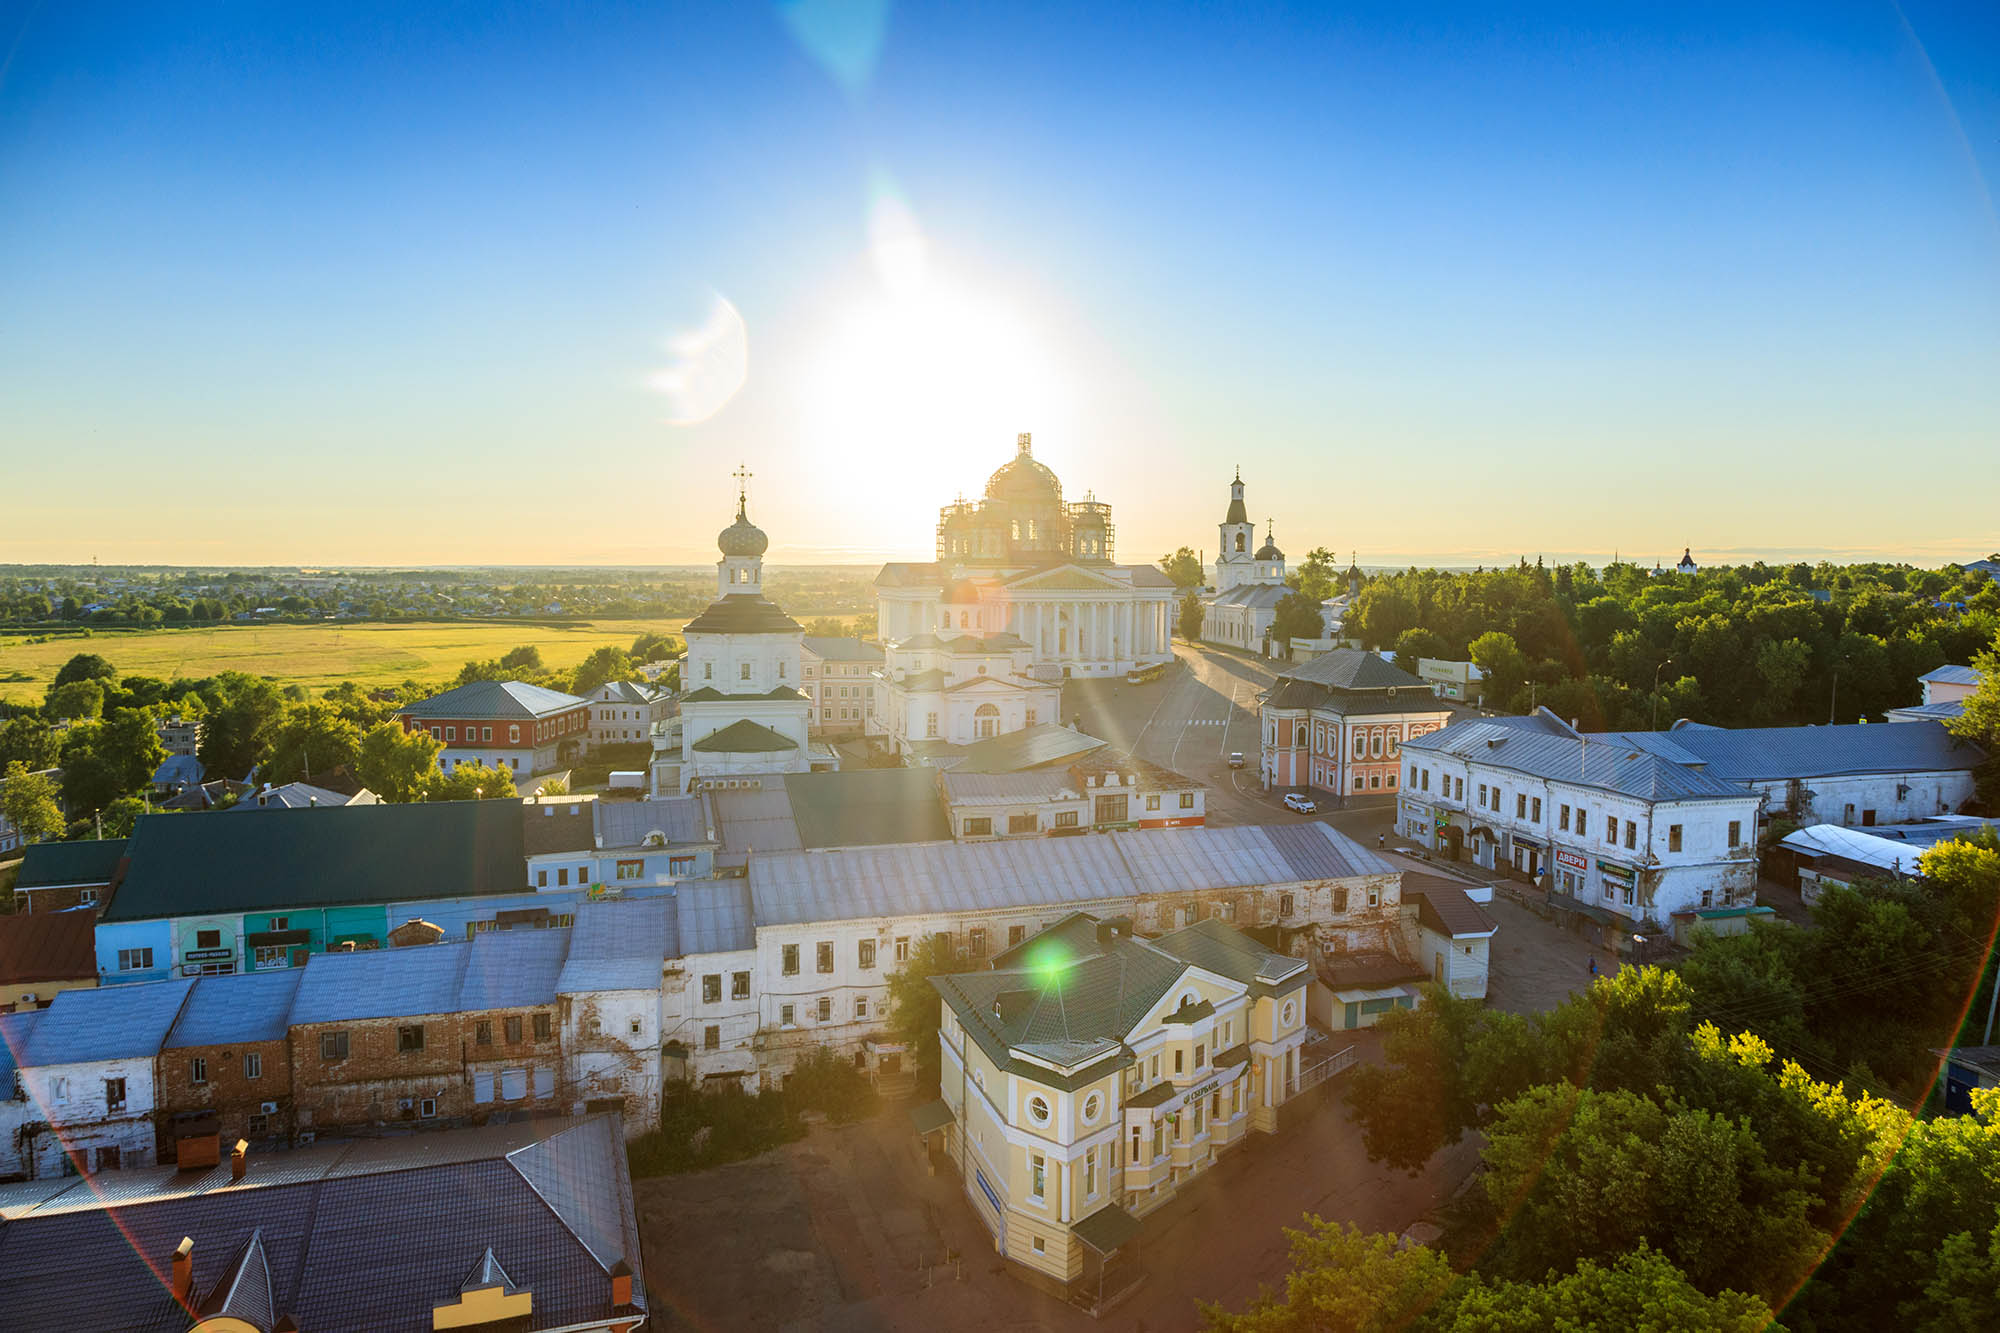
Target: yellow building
1091, 1074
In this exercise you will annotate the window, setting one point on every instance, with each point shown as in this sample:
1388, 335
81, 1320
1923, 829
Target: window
410, 1037
253, 1064
1038, 1176
482, 1033
711, 988
1187, 800
270, 956
1180, 1062
1090, 1174
680, 865
739, 985
1022, 824
208, 939
451, 733
786, 1015
1152, 801
860, 1007
541, 879
823, 956
255, 1124
107, 1159
198, 1070
562, 875
1135, 1144
1520, 805
1629, 831
1156, 1068
631, 869
1735, 833
902, 948
634, 1026
975, 940
978, 828
1374, 897
485, 733
1093, 1107
280, 923
1015, 934
1065, 819
1611, 829
1286, 904
1200, 1054
825, 1009
333, 1045
1564, 819
427, 1107
791, 960
512, 1028
1581, 822
114, 1093
1535, 812
1673, 837
1482, 794
743, 671
1288, 1013
711, 1038
134, 960
514, 734
1340, 897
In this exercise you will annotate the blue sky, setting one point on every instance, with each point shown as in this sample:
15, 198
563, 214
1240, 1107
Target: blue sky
354, 284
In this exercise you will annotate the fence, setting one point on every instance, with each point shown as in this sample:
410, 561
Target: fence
1311, 1076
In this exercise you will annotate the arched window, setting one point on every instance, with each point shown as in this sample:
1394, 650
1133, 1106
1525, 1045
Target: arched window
1239, 541
986, 721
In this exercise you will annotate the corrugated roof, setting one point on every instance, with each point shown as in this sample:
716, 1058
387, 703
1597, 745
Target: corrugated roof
1150, 776
620, 945
380, 983
854, 883
179, 770
754, 821
830, 649
1255, 595
1953, 675
195, 864
511, 969
1352, 669
1609, 762
552, 827
1765, 754
251, 1006
1446, 907
1855, 845
107, 1023
292, 796
714, 916
1031, 747
680, 819
48, 946
15, 1029
46, 865
1037, 784
493, 698
867, 806
1938, 712
623, 692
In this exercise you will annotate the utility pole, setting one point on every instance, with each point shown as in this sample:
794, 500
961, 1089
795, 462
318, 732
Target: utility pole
1656, 691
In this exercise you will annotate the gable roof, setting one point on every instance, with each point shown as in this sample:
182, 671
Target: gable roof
296, 796
48, 865
380, 983
1765, 754
511, 699
191, 864
1608, 762
622, 692
246, 1007
553, 826
681, 819
510, 969
1038, 746
1258, 596
1446, 908
48, 946
620, 945
1352, 669
830, 649
1953, 675
908, 574
178, 770
106, 1023
867, 806
1064, 578
745, 737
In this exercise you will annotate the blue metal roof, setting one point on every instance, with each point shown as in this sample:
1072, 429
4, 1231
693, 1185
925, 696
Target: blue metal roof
621, 945
223, 1011
1610, 762
714, 916
14, 1032
513, 969
108, 1023
380, 983
1765, 754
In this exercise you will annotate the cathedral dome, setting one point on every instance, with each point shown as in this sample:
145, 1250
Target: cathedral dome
1270, 551
1022, 480
743, 538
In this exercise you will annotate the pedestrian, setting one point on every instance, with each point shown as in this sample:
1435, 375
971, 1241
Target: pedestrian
1381, 840
1593, 965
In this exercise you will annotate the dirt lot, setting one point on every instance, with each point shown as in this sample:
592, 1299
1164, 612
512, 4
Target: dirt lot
848, 1230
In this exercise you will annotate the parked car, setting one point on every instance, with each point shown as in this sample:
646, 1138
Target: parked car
1300, 802
1236, 759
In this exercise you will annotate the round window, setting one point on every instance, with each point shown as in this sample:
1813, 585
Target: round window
1093, 1106
1288, 1013
1038, 1110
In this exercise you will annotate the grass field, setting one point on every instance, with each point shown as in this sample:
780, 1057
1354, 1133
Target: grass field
315, 656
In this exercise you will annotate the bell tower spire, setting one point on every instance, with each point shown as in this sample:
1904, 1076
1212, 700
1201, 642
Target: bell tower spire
1236, 557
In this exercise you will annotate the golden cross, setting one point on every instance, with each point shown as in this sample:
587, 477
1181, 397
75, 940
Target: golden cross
742, 475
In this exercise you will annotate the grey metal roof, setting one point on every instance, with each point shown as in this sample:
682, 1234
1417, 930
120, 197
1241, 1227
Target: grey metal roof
1037, 784
931, 878
629, 823
380, 983
1764, 754
830, 649
292, 796
1609, 762
1953, 675
1937, 712
1031, 747
866, 806
494, 698
1258, 595
224, 1011
754, 821
178, 770
714, 916
623, 692
108, 1023
1352, 669
512, 969
620, 945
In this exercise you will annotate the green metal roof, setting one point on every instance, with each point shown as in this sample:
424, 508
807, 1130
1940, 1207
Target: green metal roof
1106, 1229
867, 807
930, 1117
193, 864
742, 613
708, 694
1031, 747
745, 737
47, 864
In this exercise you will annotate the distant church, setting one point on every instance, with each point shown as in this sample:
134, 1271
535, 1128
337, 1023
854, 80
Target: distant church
1249, 583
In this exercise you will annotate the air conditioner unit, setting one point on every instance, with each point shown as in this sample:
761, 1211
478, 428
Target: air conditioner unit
305, 1136
30, 998
405, 1103
268, 1108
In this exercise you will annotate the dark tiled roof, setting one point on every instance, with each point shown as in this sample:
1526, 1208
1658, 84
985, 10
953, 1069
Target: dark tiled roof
1352, 669
187, 865
745, 737
48, 864
494, 698
552, 826
742, 613
867, 807
1367, 971
48, 946
551, 1200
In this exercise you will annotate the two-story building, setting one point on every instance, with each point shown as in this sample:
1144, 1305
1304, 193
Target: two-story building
958, 689
608, 998
88, 1068
1091, 1074
622, 712
1337, 723
1602, 820
503, 724
225, 1067
1101, 792
840, 683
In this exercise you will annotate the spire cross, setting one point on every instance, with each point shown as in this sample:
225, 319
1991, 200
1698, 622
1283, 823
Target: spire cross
742, 475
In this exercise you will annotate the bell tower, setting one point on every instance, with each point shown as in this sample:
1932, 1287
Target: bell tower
1236, 557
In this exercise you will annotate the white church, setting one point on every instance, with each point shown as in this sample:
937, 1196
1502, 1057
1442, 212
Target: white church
1249, 581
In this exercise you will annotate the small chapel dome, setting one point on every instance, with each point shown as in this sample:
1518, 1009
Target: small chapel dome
1270, 551
743, 538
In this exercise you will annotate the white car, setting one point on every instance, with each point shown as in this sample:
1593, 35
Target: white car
1236, 759
1303, 804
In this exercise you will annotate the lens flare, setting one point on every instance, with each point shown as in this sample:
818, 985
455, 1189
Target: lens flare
706, 366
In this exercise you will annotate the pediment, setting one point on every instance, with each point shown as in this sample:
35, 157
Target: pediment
1066, 578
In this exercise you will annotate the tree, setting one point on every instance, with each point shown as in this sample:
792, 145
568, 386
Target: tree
121, 816
474, 782
1318, 575
1191, 614
313, 738
1417, 1099
916, 1008
130, 740
527, 658
397, 765
604, 665
76, 700
243, 717
1506, 667
1413, 645
1183, 567
29, 741
651, 647
29, 801
1344, 1280
1979, 722
85, 666
1296, 616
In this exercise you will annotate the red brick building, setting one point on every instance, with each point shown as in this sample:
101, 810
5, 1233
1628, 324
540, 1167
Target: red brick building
226, 1066
503, 724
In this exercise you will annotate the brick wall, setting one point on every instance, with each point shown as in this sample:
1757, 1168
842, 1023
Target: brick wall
229, 1091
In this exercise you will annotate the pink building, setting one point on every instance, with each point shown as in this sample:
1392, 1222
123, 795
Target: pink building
1338, 723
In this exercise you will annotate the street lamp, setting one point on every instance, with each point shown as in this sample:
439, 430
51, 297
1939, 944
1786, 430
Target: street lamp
1656, 691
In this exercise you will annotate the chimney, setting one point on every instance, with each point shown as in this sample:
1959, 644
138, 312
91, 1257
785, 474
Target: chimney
621, 1285
184, 1270
239, 1159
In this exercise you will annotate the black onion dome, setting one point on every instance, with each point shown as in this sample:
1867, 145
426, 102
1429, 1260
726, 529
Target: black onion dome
1270, 552
743, 538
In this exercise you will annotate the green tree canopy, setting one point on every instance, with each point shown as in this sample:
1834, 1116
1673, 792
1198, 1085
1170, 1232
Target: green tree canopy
84, 666
1297, 616
28, 799
397, 765
76, 700
1190, 617
1184, 568
313, 738
474, 782
244, 713
604, 665
1413, 645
